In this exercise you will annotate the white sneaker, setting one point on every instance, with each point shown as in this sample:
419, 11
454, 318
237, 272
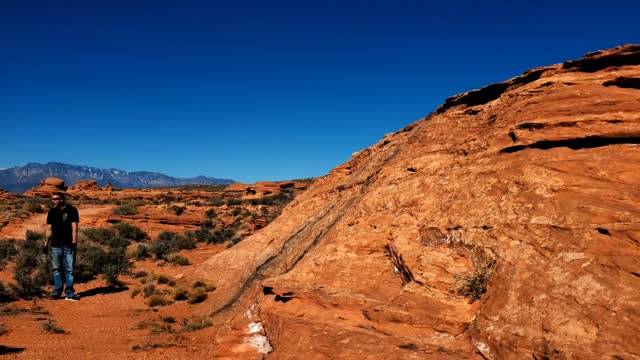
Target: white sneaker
71, 299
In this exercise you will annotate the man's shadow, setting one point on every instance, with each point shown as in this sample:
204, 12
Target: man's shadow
10, 350
102, 291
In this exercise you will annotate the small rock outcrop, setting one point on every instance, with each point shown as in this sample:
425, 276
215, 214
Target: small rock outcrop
85, 185
47, 187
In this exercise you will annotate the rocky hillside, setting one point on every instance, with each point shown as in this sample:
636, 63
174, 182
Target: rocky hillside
502, 226
21, 178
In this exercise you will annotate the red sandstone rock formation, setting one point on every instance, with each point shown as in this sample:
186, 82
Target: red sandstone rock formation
528, 189
266, 188
47, 187
7, 196
85, 185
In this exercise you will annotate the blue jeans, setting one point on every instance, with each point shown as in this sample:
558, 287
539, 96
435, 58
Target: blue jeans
63, 259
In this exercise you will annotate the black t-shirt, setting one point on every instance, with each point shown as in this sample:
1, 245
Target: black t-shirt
60, 220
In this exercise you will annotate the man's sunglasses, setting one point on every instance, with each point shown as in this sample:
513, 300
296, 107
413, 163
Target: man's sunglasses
54, 199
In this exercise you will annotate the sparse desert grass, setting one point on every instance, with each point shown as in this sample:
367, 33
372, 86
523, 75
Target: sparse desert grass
51, 327
214, 201
178, 260
155, 327
195, 323
159, 279
154, 345
12, 310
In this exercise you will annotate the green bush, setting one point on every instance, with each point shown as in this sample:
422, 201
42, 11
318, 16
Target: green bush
92, 260
4, 293
234, 202
8, 250
199, 235
125, 209
115, 263
280, 199
178, 210
210, 214
220, 236
131, 232
89, 260
99, 235
105, 236
215, 201
35, 205
169, 242
141, 252
31, 270
168, 199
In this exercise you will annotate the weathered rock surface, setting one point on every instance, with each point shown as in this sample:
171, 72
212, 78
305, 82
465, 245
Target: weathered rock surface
532, 185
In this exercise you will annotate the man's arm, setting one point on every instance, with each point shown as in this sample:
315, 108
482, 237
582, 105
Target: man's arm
74, 233
47, 234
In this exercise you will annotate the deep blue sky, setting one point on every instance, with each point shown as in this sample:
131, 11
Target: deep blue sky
262, 90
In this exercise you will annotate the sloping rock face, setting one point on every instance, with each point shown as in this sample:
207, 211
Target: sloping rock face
502, 226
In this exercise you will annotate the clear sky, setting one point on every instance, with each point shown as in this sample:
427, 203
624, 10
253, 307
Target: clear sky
262, 90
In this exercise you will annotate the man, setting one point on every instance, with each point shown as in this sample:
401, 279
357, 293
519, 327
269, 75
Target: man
62, 222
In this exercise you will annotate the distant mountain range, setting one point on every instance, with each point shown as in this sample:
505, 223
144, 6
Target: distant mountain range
22, 178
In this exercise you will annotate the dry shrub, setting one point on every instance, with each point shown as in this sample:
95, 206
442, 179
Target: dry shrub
195, 323
158, 300
180, 294
178, 260
50, 327
197, 295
